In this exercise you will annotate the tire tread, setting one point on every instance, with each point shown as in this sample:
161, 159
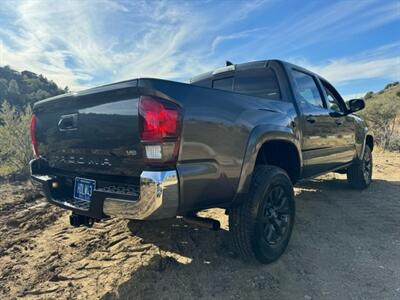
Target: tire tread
242, 218
355, 175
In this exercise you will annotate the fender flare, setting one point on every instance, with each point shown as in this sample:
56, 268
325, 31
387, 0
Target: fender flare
368, 135
258, 137
361, 140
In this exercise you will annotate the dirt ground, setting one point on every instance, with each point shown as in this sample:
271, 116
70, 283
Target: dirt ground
345, 245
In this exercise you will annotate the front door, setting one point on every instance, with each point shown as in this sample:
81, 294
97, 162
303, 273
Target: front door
343, 139
318, 127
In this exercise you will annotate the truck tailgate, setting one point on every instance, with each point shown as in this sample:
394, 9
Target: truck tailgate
92, 133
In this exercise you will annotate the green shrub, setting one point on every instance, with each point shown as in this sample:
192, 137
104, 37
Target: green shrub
394, 144
15, 145
389, 85
368, 95
381, 115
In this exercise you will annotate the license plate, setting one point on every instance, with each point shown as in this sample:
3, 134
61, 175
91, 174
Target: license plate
83, 188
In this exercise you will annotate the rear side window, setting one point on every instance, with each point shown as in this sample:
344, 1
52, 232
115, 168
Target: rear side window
307, 89
260, 82
203, 83
225, 84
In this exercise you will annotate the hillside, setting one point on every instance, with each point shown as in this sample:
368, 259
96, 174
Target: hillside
18, 90
22, 88
382, 113
390, 90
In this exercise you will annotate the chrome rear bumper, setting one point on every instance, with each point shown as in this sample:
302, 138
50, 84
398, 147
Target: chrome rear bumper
159, 198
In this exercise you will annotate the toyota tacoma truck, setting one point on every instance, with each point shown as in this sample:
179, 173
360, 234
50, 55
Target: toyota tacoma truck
237, 138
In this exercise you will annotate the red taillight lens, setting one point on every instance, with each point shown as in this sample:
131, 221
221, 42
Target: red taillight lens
159, 124
35, 146
159, 119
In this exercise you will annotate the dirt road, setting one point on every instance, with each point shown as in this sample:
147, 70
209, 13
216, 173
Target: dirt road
345, 245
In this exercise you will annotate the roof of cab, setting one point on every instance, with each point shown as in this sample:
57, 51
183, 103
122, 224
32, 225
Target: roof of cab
245, 66
230, 68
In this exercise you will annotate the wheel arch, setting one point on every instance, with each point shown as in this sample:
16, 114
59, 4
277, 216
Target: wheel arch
283, 154
369, 141
267, 139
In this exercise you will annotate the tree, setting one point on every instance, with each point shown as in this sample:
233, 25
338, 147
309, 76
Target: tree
13, 87
389, 85
25, 88
3, 88
381, 116
15, 146
368, 95
41, 94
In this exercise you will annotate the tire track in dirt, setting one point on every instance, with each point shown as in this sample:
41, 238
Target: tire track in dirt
345, 245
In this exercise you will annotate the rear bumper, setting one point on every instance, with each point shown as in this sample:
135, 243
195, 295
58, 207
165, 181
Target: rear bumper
156, 197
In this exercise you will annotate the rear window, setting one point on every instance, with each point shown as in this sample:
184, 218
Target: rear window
225, 84
258, 82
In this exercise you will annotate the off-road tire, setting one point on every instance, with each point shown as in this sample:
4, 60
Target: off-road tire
249, 221
359, 174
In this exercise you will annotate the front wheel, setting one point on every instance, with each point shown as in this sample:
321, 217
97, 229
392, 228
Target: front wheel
261, 226
359, 174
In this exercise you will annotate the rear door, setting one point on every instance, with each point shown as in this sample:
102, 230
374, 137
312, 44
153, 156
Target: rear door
318, 127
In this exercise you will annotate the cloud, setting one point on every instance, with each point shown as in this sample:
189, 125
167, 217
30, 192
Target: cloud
81, 44
234, 36
345, 70
87, 43
353, 96
311, 25
45, 37
382, 62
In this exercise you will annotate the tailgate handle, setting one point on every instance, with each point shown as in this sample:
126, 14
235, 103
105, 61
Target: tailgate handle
68, 122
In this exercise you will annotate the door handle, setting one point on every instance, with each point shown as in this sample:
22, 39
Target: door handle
68, 122
338, 122
310, 119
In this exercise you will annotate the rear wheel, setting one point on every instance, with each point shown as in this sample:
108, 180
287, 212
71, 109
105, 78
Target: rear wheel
261, 226
359, 174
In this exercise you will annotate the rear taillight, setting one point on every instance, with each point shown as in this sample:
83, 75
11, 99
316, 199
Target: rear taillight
160, 126
35, 146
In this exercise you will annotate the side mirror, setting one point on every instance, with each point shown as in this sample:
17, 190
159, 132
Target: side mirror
356, 105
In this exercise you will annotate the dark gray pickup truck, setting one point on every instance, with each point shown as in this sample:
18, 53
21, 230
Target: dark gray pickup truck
236, 138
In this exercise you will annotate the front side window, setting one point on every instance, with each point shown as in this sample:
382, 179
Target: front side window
260, 82
307, 89
332, 101
333, 104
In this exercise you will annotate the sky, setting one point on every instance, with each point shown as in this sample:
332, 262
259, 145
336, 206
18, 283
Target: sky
355, 44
